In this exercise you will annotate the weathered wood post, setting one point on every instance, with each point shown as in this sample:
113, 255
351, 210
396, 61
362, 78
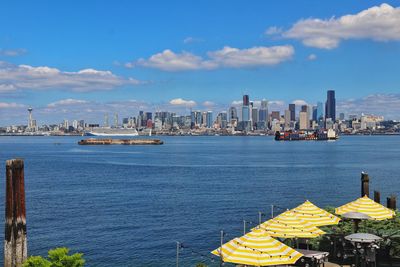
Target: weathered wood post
15, 241
377, 196
364, 184
391, 202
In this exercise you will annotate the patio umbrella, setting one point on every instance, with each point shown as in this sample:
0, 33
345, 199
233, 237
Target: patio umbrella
316, 216
367, 206
288, 225
257, 248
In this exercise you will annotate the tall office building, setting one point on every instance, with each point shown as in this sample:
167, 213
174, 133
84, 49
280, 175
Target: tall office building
304, 120
254, 116
209, 119
246, 100
330, 106
232, 114
287, 119
246, 108
275, 115
263, 114
292, 109
320, 111
314, 113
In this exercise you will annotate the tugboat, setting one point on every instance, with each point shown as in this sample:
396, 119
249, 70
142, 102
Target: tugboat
322, 135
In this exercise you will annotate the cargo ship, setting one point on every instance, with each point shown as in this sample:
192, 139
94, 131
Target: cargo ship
306, 135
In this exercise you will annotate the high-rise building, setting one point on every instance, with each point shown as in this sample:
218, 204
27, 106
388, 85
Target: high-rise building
304, 120
287, 119
320, 111
232, 114
292, 109
275, 115
254, 116
263, 114
314, 113
330, 106
209, 119
246, 100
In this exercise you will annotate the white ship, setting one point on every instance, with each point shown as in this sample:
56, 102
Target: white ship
112, 132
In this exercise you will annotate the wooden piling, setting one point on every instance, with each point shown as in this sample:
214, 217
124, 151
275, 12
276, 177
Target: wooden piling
377, 196
15, 239
391, 202
364, 184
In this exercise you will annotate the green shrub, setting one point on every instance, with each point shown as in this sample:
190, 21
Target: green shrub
56, 258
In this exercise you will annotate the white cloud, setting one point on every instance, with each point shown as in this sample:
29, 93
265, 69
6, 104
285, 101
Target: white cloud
170, 61
312, 57
252, 57
11, 105
208, 104
226, 57
18, 77
273, 30
66, 102
12, 52
379, 23
387, 105
182, 102
299, 102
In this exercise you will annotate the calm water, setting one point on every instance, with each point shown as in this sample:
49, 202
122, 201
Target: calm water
128, 205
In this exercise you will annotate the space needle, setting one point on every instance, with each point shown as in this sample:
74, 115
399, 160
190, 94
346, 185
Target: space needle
30, 122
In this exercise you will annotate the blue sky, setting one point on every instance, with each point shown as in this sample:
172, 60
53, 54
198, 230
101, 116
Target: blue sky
70, 59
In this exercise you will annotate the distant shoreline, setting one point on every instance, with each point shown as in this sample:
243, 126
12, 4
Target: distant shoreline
177, 135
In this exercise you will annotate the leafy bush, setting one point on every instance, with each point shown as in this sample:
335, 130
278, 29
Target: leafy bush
56, 258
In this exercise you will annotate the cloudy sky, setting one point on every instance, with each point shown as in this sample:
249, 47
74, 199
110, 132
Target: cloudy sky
81, 59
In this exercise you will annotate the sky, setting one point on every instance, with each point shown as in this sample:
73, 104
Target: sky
81, 59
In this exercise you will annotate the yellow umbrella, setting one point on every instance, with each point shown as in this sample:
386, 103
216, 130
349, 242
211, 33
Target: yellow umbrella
256, 248
367, 206
288, 225
316, 216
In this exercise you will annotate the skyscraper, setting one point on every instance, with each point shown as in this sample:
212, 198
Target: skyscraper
30, 119
246, 108
292, 109
320, 111
246, 100
233, 114
209, 119
263, 114
330, 106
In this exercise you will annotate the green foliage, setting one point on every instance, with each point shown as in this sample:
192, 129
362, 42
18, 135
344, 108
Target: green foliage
36, 261
56, 258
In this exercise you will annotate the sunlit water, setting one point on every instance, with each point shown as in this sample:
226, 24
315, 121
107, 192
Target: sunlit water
128, 205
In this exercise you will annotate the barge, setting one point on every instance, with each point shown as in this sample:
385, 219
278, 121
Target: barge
110, 141
306, 135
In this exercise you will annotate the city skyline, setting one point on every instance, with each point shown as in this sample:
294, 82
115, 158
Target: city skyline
131, 61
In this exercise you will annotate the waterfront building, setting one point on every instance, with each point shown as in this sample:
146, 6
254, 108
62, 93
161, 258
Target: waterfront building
292, 109
246, 116
204, 119
330, 106
75, 124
